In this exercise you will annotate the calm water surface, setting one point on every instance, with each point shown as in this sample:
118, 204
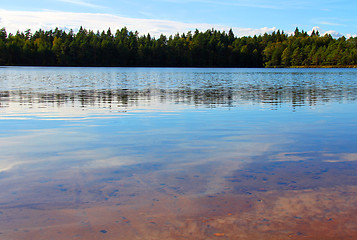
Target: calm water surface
151, 153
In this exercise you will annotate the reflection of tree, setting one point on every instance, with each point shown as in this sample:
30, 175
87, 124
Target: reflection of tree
207, 97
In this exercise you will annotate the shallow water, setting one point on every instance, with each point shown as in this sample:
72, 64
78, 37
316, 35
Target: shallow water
151, 153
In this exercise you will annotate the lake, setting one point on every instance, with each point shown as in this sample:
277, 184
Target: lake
178, 153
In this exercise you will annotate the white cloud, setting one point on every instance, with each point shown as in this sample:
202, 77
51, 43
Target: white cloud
265, 4
252, 31
316, 29
333, 33
81, 3
350, 35
243, 4
234, 3
46, 20
330, 23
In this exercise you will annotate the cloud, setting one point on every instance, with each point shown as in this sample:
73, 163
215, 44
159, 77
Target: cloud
252, 31
350, 35
316, 29
46, 20
265, 4
81, 3
225, 3
333, 33
330, 23
250, 4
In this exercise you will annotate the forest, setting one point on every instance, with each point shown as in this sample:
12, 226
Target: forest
211, 48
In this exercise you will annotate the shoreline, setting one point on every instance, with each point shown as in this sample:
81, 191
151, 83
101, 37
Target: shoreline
310, 66
327, 66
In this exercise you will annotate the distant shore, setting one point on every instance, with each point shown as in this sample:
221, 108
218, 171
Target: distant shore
282, 67
212, 48
327, 66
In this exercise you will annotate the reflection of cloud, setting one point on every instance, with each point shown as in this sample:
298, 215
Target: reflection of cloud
341, 157
291, 156
40, 147
46, 20
308, 156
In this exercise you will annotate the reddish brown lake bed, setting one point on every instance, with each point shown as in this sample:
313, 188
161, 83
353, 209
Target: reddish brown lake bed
283, 200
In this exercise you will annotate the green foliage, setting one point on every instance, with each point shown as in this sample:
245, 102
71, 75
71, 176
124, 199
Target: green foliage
300, 49
211, 48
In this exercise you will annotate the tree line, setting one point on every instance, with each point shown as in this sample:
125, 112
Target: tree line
211, 48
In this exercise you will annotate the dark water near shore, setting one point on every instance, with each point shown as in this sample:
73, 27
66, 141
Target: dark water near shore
151, 153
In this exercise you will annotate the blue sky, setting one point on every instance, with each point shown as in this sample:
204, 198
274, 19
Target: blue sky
245, 17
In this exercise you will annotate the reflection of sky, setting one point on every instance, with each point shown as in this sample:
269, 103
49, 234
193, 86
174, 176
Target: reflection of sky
141, 137
228, 116
198, 135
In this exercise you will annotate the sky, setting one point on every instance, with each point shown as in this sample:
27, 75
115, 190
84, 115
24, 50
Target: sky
168, 17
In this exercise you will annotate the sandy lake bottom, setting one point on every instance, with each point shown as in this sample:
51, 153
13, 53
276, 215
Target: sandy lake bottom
284, 200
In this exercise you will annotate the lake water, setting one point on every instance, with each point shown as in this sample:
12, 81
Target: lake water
161, 153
